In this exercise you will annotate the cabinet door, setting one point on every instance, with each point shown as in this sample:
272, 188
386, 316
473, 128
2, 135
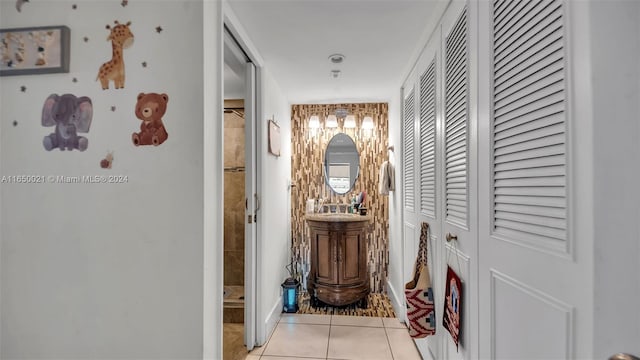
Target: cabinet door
351, 258
325, 256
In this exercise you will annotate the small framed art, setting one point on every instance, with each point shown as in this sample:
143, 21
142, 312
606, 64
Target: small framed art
34, 50
274, 138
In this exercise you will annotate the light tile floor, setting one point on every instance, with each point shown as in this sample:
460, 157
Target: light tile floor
310, 337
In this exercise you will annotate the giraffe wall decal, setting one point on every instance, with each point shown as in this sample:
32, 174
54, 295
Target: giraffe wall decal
121, 38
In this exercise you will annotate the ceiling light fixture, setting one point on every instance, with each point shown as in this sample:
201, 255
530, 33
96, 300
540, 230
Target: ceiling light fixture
335, 73
336, 58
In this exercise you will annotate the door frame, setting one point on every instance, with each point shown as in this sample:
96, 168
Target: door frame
253, 109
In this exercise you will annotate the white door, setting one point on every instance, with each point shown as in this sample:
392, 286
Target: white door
459, 174
535, 287
438, 174
409, 214
253, 204
422, 115
238, 62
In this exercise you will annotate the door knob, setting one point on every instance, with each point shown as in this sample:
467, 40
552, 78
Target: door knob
622, 356
450, 237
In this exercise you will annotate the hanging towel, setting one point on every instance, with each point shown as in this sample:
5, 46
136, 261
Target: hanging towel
386, 179
391, 172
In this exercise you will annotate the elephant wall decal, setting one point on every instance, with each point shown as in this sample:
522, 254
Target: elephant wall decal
70, 115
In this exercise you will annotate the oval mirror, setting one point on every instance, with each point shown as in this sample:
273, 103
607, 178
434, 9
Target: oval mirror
341, 163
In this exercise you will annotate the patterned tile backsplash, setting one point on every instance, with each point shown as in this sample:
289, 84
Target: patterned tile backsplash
307, 158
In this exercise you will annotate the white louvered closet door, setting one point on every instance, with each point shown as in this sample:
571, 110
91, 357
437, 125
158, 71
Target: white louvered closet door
410, 201
524, 233
458, 175
428, 81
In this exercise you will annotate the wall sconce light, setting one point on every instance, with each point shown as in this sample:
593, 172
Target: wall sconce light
314, 122
367, 127
350, 122
314, 125
331, 122
367, 123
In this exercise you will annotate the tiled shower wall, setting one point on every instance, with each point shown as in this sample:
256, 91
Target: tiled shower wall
306, 173
234, 197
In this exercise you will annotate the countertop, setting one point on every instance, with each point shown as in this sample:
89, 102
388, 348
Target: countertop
338, 217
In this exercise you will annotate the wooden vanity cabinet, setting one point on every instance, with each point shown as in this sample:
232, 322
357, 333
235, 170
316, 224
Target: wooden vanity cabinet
339, 272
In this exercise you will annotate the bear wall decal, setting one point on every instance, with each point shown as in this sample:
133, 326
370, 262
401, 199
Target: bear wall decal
150, 108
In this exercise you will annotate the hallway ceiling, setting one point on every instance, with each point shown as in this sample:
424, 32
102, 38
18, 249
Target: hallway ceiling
380, 39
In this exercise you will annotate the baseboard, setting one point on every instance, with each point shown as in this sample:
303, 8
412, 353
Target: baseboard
270, 322
397, 302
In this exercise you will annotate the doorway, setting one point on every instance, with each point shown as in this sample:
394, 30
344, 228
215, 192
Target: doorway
240, 199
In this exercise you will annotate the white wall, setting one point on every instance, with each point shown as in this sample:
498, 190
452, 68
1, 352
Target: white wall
615, 48
213, 165
274, 241
107, 270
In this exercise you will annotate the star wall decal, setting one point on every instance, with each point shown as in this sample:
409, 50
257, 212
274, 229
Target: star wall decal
158, 29
23, 88
144, 64
124, 3
15, 123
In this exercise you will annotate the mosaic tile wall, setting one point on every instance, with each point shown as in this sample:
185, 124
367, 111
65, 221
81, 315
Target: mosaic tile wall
307, 175
234, 173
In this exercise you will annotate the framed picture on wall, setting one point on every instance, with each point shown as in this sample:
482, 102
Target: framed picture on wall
34, 50
274, 138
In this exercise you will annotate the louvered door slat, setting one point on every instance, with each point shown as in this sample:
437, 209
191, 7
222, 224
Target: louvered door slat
552, 51
526, 79
530, 134
456, 112
536, 91
551, 110
530, 144
531, 210
531, 154
501, 6
531, 191
548, 202
523, 57
523, 25
556, 98
508, 20
531, 163
534, 172
529, 123
547, 181
409, 145
526, 128
543, 34
529, 94
518, 229
427, 140
541, 17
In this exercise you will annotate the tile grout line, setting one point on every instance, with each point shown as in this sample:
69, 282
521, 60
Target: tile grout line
386, 334
329, 336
